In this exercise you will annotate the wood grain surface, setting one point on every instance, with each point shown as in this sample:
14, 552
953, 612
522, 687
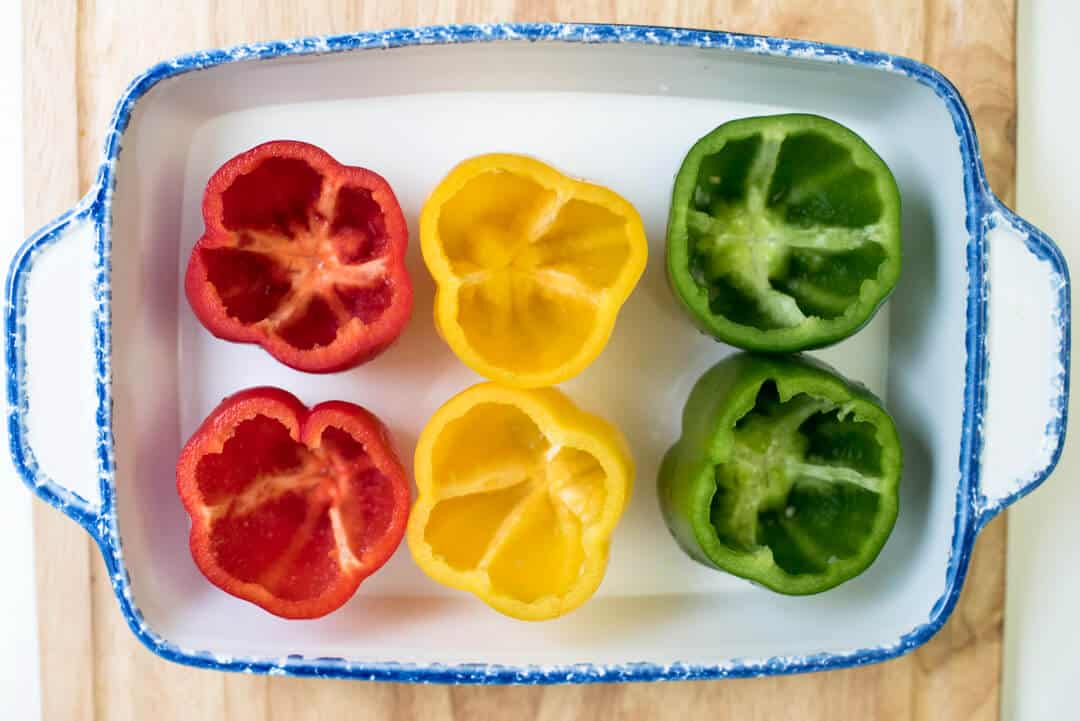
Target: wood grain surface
81, 54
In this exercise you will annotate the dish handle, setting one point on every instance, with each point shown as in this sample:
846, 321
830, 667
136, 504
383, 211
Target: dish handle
1027, 356
57, 410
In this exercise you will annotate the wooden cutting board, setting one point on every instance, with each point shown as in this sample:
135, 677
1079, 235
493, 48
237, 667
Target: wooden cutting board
79, 55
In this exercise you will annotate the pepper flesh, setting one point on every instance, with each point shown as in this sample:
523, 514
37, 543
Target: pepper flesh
291, 508
785, 474
301, 255
519, 492
531, 267
784, 233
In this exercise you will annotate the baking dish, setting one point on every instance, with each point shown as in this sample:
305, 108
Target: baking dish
108, 372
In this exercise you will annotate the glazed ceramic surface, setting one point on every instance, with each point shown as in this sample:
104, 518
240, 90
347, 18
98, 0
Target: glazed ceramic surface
109, 372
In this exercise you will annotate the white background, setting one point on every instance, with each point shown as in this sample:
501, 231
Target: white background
19, 687
1042, 604
1042, 624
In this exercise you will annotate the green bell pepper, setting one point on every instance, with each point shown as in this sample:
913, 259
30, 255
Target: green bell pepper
786, 474
784, 233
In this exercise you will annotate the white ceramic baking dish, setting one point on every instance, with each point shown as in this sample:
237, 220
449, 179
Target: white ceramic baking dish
109, 371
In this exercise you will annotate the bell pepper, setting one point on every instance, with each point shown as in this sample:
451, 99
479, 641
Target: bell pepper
786, 474
303, 256
518, 492
291, 508
784, 233
530, 267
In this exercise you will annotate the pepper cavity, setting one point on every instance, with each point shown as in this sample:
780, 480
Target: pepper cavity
801, 481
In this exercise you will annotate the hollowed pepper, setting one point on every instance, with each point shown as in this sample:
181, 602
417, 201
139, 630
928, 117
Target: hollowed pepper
519, 492
530, 266
785, 474
291, 508
302, 255
784, 233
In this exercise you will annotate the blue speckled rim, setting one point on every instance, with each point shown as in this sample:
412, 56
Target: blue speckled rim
973, 508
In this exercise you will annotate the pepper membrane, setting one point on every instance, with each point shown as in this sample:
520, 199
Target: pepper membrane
785, 474
784, 233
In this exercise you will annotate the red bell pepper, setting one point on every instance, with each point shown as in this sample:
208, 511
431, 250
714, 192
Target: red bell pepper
302, 255
291, 508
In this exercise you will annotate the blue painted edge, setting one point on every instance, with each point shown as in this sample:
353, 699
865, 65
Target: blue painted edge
100, 521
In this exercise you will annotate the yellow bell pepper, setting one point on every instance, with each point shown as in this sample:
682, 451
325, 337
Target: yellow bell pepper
530, 266
519, 492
